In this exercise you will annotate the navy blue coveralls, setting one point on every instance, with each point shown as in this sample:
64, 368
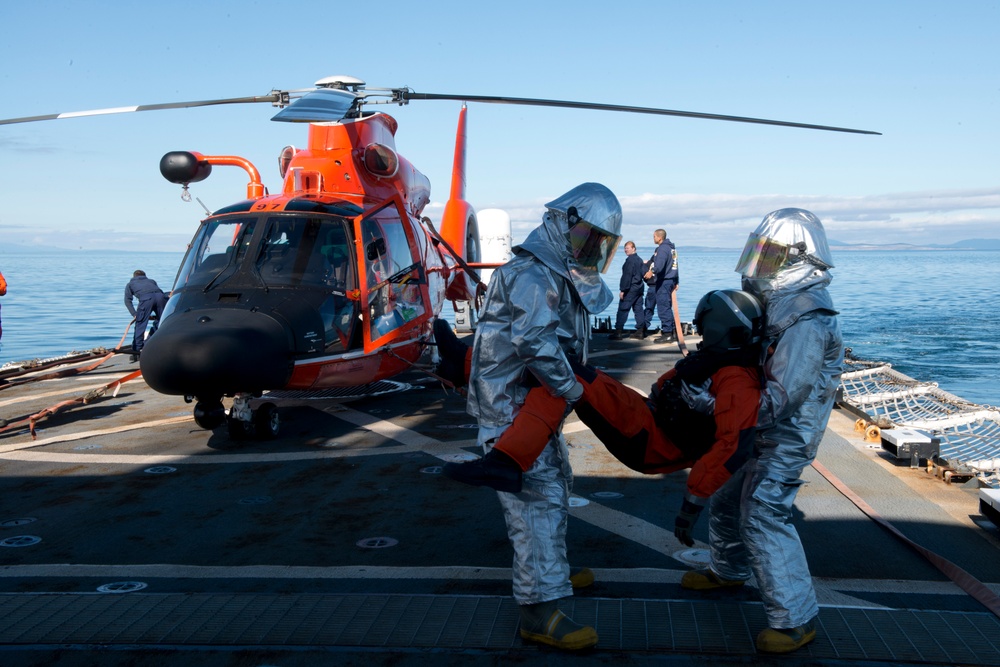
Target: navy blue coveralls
659, 295
151, 300
632, 286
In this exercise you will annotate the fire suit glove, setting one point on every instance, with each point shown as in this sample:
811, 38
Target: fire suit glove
698, 397
571, 397
685, 521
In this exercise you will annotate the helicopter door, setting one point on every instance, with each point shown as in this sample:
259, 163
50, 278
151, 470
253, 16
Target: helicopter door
395, 283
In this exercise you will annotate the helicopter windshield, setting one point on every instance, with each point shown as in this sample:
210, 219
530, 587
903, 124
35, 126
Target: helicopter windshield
215, 252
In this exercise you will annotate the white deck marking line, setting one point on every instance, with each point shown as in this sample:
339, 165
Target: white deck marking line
70, 437
61, 392
630, 527
631, 350
466, 572
414, 441
161, 459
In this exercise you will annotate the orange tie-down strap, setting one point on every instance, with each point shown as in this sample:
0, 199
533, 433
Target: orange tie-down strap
89, 397
963, 579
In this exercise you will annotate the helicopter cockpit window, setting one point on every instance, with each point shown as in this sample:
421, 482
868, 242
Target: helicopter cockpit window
215, 252
315, 252
298, 251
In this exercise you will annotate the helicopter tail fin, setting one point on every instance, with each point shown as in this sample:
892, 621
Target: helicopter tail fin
459, 227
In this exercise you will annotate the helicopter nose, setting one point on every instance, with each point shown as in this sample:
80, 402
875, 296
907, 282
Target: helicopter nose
195, 353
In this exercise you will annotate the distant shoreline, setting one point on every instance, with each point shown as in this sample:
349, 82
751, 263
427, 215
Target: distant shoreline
858, 247
980, 245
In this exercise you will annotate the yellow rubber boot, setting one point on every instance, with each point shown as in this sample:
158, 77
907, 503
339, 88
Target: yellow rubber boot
581, 577
707, 580
785, 640
545, 624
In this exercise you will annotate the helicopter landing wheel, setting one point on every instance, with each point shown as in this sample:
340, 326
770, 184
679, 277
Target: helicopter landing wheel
266, 421
239, 429
209, 414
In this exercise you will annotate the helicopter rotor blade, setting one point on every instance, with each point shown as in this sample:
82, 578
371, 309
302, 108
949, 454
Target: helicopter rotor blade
275, 97
407, 95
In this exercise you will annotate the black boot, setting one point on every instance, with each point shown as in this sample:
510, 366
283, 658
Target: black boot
452, 352
495, 470
639, 334
617, 335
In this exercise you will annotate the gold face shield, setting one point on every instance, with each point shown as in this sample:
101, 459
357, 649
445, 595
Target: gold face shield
763, 257
592, 246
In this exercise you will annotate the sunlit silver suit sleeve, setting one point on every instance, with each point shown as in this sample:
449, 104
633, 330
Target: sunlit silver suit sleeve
529, 322
750, 527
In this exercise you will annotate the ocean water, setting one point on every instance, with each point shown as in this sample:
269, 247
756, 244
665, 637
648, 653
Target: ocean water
931, 314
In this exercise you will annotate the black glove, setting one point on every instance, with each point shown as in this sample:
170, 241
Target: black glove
684, 523
698, 397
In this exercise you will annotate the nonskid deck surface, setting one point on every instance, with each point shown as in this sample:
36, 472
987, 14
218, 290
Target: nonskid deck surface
124, 524
400, 623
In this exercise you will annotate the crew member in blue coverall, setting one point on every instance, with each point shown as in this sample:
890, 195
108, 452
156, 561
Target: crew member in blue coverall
151, 300
662, 277
630, 292
785, 264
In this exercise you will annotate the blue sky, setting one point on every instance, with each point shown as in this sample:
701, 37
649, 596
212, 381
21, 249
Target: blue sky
924, 74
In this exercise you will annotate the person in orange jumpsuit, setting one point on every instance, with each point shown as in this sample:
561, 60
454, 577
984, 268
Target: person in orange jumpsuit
3, 291
655, 434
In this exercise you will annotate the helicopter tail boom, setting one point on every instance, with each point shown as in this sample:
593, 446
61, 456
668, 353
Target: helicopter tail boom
459, 228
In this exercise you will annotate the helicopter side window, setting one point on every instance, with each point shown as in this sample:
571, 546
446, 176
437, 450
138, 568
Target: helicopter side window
396, 302
377, 263
394, 279
387, 249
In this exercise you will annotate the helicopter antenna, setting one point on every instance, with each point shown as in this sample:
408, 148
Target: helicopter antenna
207, 212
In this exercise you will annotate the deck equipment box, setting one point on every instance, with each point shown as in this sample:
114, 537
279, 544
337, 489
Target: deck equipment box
910, 444
989, 504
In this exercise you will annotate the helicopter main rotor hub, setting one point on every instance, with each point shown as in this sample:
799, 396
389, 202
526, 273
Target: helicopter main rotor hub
341, 82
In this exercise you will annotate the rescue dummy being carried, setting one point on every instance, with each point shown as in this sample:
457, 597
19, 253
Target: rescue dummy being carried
656, 434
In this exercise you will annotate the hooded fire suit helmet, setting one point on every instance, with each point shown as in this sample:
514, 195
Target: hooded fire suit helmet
784, 238
728, 320
591, 218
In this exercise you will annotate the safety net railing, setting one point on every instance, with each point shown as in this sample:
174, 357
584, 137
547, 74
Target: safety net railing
969, 433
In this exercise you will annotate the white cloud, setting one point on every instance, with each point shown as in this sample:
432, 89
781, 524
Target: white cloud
721, 220
725, 219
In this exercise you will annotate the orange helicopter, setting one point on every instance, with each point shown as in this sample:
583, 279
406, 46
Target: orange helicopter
336, 280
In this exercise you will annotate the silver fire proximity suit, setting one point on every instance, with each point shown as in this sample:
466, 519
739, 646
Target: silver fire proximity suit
786, 264
535, 316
